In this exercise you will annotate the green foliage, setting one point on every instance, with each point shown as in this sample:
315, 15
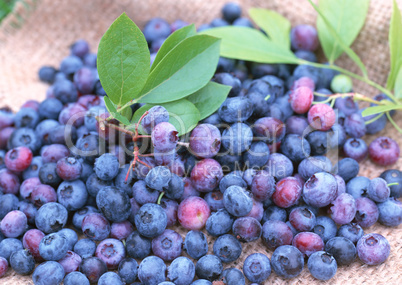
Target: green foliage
111, 107
346, 17
209, 99
184, 70
395, 45
123, 60
250, 44
275, 25
182, 114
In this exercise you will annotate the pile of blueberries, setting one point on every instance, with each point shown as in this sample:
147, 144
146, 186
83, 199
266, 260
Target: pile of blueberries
258, 168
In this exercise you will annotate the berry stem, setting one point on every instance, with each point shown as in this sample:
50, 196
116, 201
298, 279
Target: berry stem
185, 144
392, 184
160, 197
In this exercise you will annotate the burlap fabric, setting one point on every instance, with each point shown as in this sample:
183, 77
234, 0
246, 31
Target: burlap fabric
49, 29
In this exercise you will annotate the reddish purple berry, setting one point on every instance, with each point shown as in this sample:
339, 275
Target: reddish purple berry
193, 213
205, 141
301, 99
28, 186
343, 209
14, 224
168, 245
269, 129
302, 219
3, 266
366, 212
321, 117
262, 186
308, 243
111, 251
276, 233
31, 240
18, 159
9, 182
305, 82
246, 229
206, 175
304, 37
384, 151
373, 249
287, 192
164, 137
69, 168
71, 262
43, 194
121, 230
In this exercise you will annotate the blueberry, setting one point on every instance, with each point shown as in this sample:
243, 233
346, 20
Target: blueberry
53, 247
71, 262
156, 28
85, 79
128, 270
158, 178
48, 174
209, 267
287, 261
318, 141
295, 147
390, 212
392, 176
219, 223
25, 137
196, 244
237, 201
113, 203
366, 212
8, 246
80, 215
268, 129
236, 109
358, 187
230, 80
71, 237
51, 217
201, 282
85, 248
106, 167
72, 194
49, 272
231, 11
342, 249
181, 271
343, 209
246, 229
93, 268
111, 251
61, 132
214, 200
322, 265
320, 189
308, 243
138, 246
355, 125
325, 227
302, 219
110, 278
274, 213
65, 91
151, 220
373, 249
262, 186
227, 248
313, 164
276, 233
50, 108
347, 168
237, 138
384, 151
279, 166
3, 266
13, 224
351, 231
168, 245
87, 147
378, 191
95, 226
75, 278
257, 267
230, 180
152, 270
47, 74
243, 22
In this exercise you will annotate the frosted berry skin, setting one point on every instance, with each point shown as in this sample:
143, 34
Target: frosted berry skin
355, 125
287, 192
206, 175
390, 212
378, 191
205, 141
356, 149
308, 243
257, 268
366, 212
95, 226
71, 262
301, 99
14, 224
246, 229
322, 265
302, 219
269, 129
304, 37
164, 137
18, 159
237, 201
152, 270
156, 115
305, 82
320, 190
111, 251
321, 117
193, 213
276, 233
373, 249
9, 182
384, 151
287, 261
168, 245
343, 209
227, 248
262, 186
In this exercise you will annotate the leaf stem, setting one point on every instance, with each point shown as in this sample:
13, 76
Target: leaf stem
103, 123
374, 119
353, 75
393, 122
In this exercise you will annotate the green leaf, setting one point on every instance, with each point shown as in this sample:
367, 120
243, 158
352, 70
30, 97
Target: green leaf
123, 60
172, 41
185, 69
338, 39
111, 107
346, 17
250, 44
209, 98
380, 109
395, 45
398, 84
275, 25
182, 114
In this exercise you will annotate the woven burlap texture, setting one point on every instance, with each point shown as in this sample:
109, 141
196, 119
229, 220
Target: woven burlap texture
47, 32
